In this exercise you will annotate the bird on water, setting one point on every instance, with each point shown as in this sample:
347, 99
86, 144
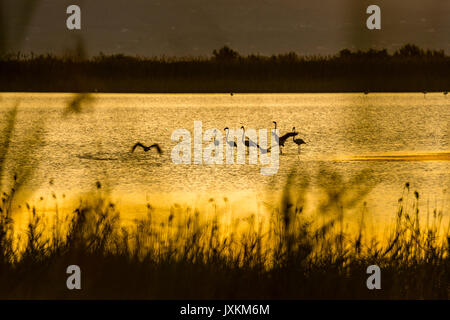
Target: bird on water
297, 141
231, 143
248, 143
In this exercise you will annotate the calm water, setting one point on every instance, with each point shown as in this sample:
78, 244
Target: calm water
75, 150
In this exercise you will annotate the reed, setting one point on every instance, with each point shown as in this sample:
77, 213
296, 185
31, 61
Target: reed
183, 255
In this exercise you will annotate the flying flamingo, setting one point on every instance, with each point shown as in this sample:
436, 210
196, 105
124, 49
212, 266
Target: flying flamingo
145, 148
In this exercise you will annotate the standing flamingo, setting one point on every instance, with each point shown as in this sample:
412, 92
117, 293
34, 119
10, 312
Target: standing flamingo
298, 141
248, 143
283, 138
216, 142
230, 143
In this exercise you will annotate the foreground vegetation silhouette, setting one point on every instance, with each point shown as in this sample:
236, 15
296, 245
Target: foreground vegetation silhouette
409, 69
182, 255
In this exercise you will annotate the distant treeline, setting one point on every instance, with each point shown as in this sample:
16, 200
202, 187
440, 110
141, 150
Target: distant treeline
408, 69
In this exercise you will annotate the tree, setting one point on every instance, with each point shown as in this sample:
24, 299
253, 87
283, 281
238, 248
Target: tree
225, 54
345, 53
410, 50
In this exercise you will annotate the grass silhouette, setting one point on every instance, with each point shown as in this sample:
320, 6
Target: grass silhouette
184, 256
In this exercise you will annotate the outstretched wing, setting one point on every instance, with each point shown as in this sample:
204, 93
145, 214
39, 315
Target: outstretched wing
138, 145
283, 138
158, 148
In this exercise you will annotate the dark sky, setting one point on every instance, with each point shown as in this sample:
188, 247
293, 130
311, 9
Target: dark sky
196, 27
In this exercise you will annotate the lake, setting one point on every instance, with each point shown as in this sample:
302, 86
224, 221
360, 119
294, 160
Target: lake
394, 137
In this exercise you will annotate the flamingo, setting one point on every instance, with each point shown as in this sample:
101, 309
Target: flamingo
230, 143
156, 146
286, 136
275, 129
216, 142
248, 143
298, 141
283, 138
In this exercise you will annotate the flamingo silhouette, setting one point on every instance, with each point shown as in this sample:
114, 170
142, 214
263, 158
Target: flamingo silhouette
145, 148
275, 124
297, 141
216, 142
230, 143
248, 143
283, 138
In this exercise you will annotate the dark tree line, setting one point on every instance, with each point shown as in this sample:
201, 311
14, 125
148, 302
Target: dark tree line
408, 69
